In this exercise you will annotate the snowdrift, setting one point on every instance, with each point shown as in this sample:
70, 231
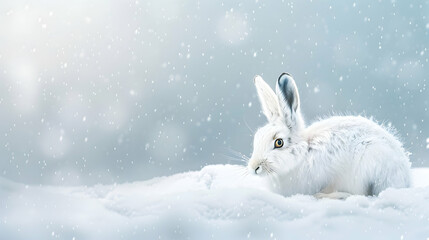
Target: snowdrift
218, 202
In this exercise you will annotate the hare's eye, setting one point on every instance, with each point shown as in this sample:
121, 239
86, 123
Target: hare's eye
278, 143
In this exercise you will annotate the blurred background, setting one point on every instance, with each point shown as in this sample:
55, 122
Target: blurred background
118, 91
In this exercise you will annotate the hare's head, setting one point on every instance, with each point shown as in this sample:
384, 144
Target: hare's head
275, 145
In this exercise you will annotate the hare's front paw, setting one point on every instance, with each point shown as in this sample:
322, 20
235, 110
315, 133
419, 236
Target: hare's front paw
333, 195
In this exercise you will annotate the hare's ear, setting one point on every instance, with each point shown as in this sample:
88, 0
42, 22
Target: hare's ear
268, 99
288, 96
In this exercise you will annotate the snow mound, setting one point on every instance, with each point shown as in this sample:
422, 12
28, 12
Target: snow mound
218, 202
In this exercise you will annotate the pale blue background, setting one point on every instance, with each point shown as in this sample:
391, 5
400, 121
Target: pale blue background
117, 91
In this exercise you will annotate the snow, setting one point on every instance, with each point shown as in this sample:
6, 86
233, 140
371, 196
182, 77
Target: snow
218, 202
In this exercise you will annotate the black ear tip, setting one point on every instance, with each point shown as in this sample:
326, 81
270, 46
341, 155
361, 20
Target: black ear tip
285, 73
284, 79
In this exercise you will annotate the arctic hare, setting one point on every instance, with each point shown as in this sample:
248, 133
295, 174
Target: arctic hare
332, 158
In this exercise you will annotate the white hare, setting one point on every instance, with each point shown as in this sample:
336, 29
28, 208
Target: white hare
332, 158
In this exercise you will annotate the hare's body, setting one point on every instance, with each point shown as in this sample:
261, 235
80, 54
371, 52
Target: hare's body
346, 154
334, 157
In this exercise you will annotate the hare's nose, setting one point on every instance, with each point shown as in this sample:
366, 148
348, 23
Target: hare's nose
258, 170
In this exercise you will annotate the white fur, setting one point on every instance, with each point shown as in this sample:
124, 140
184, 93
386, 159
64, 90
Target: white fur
333, 157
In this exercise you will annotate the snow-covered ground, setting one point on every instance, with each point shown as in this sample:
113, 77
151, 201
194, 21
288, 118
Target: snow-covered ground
218, 202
